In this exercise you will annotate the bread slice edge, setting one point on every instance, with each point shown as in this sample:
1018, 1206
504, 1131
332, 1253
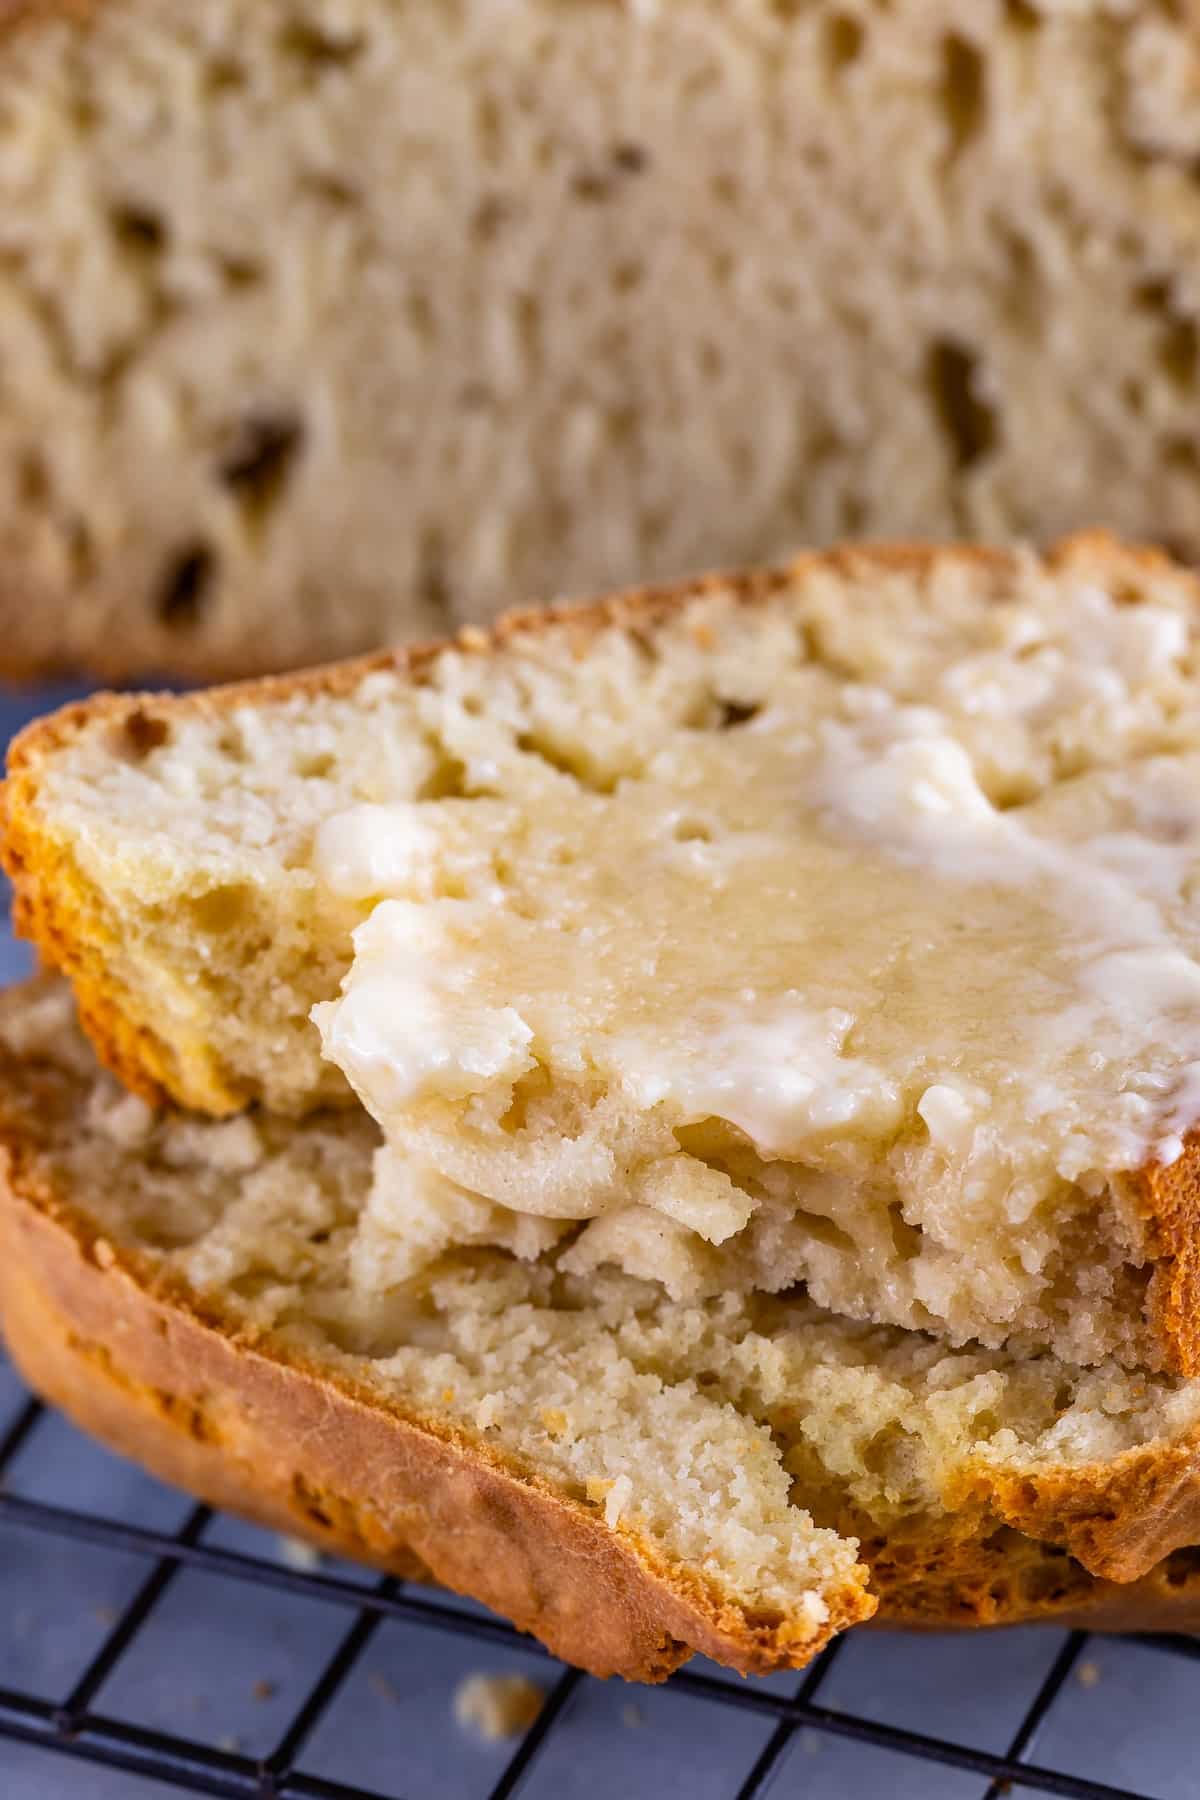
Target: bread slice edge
252, 1426
76, 927
147, 1374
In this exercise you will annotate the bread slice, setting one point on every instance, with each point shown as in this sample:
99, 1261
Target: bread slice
618, 1473
322, 323
834, 924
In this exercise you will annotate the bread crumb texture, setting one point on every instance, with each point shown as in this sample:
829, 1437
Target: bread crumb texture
638, 289
747, 1440
835, 925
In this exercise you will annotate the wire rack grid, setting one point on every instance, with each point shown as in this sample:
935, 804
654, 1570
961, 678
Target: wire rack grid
770, 1733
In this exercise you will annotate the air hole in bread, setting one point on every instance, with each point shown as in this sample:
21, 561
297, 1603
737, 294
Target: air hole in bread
628, 275
139, 230
591, 186
334, 190
963, 91
967, 421
259, 461
143, 732
315, 766
826, 1232
187, 588
222, 909
566, 762
844, 38
224, 76
493, 212
319, 51
907, 1239
1181, 452
433, 586
1021, 16
33, 479
736, 712
878, 1452
240, 273
448, 780
631, 159
692, 831
84, 114
80, 549
1178, 343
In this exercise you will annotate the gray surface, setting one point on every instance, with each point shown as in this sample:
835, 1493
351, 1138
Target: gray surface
228, 1666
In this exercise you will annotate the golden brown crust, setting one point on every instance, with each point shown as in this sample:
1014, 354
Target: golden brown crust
204, 1441
1118, 1518
246, 1423
1029, 1585
76, 930
250, 1425
1114, 1519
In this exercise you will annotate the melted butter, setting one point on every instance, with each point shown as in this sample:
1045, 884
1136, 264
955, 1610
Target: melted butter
856, 924
819, 930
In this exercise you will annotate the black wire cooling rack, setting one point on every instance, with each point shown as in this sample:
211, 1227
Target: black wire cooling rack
74, 1726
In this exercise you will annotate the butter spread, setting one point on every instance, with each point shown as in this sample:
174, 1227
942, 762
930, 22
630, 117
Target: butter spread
865, 978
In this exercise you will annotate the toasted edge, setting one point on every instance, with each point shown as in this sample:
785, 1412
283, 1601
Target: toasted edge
1029, 1586
127, 1375
248, 1424
241, 1420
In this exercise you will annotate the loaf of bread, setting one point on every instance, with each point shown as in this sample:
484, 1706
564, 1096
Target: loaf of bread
836, 925
629, 1478
323, 322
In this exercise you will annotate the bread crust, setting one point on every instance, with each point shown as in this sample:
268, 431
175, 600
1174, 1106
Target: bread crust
243, 1420
248, 1424
76, 929
161, 1411
1037, 1590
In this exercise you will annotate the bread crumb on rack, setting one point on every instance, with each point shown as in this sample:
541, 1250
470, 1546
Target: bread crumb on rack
497, 1706
304, 1558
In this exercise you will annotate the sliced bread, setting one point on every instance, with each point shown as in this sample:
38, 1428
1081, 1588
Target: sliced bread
327, 321
836, 925
627, 1477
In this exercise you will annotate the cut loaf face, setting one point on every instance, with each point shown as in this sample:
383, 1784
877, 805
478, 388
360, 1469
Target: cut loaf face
628, 1476
836, 925
636, 290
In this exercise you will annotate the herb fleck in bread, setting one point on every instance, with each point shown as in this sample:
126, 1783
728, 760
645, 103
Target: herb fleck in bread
636, 290
620, 1474
916, 829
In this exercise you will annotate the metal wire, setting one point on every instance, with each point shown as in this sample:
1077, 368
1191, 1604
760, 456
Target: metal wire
73, 1729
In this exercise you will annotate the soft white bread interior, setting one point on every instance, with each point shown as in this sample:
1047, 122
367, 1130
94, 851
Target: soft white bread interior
635, 290
627, 1476
834, 925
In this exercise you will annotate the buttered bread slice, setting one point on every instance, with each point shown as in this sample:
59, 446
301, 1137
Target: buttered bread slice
835, 925
629, 1477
